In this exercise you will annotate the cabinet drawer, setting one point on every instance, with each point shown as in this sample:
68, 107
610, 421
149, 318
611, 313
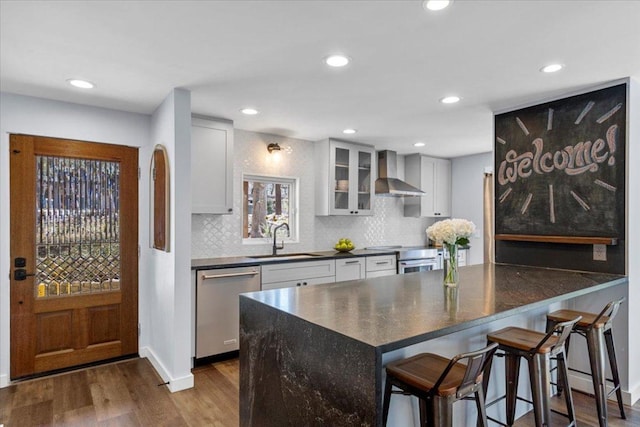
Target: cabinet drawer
381, 262
299, 282
350, 269
292, 271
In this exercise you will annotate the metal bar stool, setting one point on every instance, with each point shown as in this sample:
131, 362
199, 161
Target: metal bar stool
537, 348
596, 328
438, 382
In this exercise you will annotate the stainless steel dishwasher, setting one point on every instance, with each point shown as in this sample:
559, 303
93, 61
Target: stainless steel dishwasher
217, 307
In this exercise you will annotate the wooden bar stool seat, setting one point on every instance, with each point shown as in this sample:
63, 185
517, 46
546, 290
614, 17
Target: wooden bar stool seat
597, 329
438, 382
537, 348
587, 318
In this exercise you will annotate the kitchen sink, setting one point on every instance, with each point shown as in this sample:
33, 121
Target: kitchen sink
285, 256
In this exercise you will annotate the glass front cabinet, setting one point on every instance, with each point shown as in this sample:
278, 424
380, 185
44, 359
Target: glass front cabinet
345, 179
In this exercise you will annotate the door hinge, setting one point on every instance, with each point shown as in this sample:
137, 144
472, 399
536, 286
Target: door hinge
154, 174
139, 329
139, 250
139, 173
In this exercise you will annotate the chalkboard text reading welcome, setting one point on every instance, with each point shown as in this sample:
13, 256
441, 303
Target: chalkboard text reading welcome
560, 167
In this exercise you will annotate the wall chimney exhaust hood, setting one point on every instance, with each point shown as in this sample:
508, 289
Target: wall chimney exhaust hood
388, 183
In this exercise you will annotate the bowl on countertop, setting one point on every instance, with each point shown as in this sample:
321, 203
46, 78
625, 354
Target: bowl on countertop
343, 249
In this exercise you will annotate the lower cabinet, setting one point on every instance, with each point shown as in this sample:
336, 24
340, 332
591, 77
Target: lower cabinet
350, 269
305, 273
290, 274
381, 265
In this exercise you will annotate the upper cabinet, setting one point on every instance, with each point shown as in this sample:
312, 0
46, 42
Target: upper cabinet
211, 166
345, 178
433, 176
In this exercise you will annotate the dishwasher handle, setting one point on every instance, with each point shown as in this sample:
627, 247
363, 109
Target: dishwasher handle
220, 276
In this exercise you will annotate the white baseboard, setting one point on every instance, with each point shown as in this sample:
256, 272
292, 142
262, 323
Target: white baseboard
4, 381
584, 383
174, 384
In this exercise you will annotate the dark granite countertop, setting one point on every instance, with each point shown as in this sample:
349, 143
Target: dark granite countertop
396, 311
247, 261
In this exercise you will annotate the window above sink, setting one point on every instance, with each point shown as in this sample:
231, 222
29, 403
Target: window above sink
269, 201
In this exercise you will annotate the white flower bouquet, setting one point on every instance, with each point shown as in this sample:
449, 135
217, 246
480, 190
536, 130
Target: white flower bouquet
453, 231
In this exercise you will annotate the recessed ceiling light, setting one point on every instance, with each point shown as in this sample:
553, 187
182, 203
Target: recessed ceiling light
552, 68
419, 144
436, 4
83, 84
450, 99
349, 131
249, 111
336, 60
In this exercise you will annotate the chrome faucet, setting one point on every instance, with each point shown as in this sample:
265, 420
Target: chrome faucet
275, 234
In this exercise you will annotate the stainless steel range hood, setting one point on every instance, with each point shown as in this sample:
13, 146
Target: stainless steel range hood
388, 183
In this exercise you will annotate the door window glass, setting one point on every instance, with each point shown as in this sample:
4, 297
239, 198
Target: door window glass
77, 226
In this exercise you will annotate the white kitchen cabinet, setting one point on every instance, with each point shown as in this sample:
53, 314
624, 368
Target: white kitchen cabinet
381, 265
433, 176
345, 178
289, 274
211, 166
350, 269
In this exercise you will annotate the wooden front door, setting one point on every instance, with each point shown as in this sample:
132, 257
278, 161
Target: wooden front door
74, 253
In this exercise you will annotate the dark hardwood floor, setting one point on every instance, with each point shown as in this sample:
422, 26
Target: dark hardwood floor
128, 393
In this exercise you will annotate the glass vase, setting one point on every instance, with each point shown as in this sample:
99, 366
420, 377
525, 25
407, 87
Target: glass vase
450, 265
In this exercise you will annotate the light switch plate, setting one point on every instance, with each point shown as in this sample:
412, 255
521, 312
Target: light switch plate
599, 252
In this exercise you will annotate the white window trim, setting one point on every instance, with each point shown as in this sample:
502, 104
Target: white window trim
294, 206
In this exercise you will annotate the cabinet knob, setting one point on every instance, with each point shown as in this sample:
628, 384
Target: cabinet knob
356, 212
230, 210
304, 283
298, 284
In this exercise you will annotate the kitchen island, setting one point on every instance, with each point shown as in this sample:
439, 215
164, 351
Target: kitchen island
314, 356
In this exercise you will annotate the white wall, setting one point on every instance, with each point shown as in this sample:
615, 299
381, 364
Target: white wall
467, 177
169, 292
35, 116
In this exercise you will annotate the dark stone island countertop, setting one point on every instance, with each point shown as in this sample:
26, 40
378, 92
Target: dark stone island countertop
313, 355
396, 311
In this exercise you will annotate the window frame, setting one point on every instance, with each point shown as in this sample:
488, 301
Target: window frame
294, 214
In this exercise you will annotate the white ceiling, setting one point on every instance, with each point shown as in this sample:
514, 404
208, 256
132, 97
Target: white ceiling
269, 55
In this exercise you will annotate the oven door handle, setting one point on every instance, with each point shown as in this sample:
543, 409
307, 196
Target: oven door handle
419, 263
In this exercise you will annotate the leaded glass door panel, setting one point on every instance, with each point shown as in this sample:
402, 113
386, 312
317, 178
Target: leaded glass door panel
74, 253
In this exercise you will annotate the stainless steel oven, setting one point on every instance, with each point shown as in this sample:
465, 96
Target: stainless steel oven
412, 260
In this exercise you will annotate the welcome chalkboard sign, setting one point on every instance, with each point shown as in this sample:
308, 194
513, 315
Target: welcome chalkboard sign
560, 167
